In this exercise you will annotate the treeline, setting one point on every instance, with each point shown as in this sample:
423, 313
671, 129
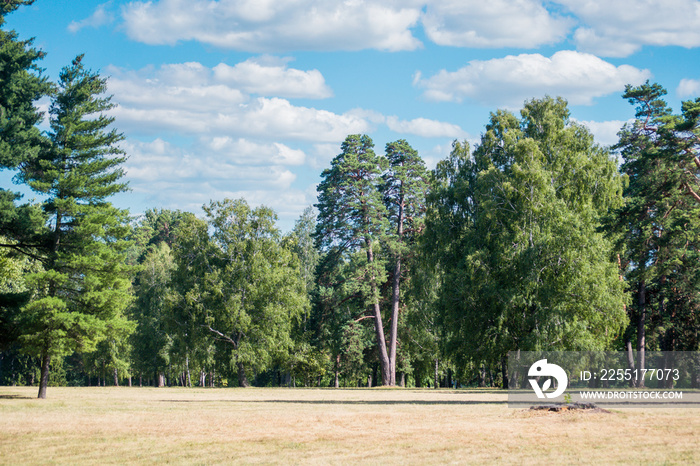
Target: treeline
534, 240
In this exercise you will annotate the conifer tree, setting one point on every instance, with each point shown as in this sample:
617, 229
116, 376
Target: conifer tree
84, 288
658, 225
21, 86
404, 189
352, 218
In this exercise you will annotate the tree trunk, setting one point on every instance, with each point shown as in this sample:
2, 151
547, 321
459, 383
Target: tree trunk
161, 379
44, 379
187, 366
378, 325
630, 356
337, 371
395, 297
116, 377
437, 382
242, 379
641, 326
402, 380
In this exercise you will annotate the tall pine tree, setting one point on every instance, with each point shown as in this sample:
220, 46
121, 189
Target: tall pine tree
352, 218
81, 294
658, 224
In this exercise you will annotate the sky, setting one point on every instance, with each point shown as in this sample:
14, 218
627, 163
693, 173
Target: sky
252, 98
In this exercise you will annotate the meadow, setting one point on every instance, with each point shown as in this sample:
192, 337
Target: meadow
120, 425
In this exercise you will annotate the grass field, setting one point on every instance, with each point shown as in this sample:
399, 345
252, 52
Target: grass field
204, 426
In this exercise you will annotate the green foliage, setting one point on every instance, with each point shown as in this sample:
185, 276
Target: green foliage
502, 248
658, 227
21, 85
80, 296
239, 285
522, 263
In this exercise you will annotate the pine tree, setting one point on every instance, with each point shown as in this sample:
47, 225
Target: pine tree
84, 289
404, 189
352, 218
658, 226
21, 86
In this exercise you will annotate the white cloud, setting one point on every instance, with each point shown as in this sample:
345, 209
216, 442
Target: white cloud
611, 28
269, 76
100, 17
191, 99
424, 127
618, 28
249, 152
186, 178
274, 25
688, 88
493, 23
605, 132
508, 81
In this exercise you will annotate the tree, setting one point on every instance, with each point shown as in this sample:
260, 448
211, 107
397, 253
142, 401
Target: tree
239, 284
154, 237
352, 218
84, 287
404, 190
305, 359
21, 86
658, 226
524, 265
302, 244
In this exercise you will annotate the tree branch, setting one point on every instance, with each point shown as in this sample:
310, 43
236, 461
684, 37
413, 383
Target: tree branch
223, 337
691, 192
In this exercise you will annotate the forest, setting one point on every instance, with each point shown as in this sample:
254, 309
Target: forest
536, 238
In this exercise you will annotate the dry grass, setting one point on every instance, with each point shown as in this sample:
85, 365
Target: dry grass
204, 426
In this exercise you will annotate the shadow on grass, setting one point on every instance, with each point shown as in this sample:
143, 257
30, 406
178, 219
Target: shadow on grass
16, 397
348, 402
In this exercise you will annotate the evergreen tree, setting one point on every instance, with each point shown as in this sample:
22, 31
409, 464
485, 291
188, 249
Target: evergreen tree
84, 288
352, 218
405, 186
658, 226
21, 85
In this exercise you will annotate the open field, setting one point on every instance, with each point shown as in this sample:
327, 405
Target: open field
203, 426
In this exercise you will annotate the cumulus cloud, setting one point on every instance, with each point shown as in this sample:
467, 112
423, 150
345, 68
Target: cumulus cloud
508, 81
269, 76
100, 17
192, 99
618, 28
186, 178
605, 132
424, 127
688, 88
494, 23
274, 25
614, 28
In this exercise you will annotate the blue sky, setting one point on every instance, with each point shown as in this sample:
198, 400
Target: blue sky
252, 98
